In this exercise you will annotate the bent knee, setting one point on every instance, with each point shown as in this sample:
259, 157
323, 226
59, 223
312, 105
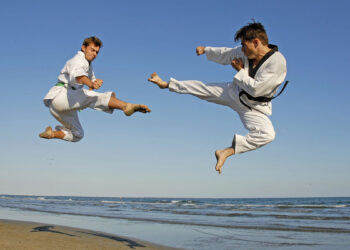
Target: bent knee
269, 136
261, 138
76, 139
77, 136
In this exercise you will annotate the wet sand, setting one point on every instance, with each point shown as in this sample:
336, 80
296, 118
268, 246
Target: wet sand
31, 235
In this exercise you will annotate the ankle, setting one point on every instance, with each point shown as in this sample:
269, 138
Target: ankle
165, 84
57, 134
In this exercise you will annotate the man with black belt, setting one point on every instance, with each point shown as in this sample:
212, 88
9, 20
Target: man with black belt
261, 69
69, 96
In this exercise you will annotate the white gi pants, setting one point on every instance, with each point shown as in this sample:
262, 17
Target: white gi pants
260, 128
66, 103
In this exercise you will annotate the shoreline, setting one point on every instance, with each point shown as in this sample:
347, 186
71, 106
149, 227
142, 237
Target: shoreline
185, 224
15, 234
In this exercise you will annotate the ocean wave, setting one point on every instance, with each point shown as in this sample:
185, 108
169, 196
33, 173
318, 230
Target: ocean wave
278, 206
156, 202
312, 206
277, 216
226, 204
275, 206
237, 226
193, 213
130, 202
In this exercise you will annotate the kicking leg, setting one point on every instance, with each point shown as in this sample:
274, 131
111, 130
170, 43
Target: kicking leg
216, 93
128, 108
221, 156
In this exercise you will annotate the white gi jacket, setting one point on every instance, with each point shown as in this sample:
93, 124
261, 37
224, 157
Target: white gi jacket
76, 66
265, 82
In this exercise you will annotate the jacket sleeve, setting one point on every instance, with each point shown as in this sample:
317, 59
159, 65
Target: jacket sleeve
223, 55
264, 84
77, 69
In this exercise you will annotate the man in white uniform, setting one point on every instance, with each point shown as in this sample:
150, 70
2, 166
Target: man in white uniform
68, 96
260, 70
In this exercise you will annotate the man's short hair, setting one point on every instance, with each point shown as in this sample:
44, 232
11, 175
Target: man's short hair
252, 31
93, 39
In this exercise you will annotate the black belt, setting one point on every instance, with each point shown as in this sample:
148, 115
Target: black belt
260, 98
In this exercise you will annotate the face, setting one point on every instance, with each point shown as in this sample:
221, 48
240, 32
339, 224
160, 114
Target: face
249, 48
90, 51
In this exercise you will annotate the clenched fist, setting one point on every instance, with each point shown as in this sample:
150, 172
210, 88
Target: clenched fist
237, 64
97, 83
200, 50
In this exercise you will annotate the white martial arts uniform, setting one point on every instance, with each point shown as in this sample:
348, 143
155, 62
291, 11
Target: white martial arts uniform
254, 115
65, 101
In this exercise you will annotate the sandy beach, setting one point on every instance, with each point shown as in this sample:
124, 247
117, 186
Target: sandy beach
31, 235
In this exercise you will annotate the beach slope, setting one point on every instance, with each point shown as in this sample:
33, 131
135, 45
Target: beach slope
31, 235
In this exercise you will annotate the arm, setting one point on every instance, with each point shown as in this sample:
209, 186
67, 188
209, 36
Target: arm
91, 84
223, 55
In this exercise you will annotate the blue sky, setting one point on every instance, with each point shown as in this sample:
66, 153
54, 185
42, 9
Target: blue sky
170, 152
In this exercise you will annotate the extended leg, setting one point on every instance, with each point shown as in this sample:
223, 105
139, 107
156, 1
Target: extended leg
216, 93
128, 108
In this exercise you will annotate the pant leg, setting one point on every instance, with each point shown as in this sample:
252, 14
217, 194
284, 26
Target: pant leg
261, 132
65, 105
69, 99
96, 100
216, 92
71, 126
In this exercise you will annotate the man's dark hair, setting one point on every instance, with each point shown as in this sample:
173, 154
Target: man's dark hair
95, 40
252, 31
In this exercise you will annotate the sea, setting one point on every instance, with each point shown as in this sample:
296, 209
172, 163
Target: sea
197, 223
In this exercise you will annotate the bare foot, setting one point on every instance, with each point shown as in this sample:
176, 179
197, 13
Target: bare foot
157, 80
132, 108
220, 157
47, 134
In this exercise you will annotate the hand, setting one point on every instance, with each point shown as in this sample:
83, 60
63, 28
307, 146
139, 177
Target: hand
237, 64
200, 50
97, 84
